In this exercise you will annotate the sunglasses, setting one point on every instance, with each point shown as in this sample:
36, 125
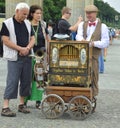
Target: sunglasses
68, 13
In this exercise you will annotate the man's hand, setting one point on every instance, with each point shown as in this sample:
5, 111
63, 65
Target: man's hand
80, 18
91, 44
24, 51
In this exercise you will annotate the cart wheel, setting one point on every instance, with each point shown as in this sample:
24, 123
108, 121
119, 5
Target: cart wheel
80, 107
66, 108
52, 106
94, 103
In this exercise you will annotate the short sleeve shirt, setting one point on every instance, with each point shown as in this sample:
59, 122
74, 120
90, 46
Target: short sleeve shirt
21, 32
63, 27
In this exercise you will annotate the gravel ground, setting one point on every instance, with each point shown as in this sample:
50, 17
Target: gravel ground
107, 115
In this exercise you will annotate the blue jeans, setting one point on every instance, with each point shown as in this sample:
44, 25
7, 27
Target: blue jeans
101, 63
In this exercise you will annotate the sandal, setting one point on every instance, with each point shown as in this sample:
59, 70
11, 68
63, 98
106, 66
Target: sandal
7, 112
25, 104
22, 108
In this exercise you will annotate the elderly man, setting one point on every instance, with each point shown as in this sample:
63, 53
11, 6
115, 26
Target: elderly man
18, 39
97, 33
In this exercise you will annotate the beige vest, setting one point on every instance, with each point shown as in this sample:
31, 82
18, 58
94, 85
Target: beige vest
95, 36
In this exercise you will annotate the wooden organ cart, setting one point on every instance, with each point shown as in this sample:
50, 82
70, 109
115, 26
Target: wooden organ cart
69, 77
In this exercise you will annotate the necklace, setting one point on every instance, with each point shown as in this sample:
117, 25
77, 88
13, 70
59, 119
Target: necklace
36, 33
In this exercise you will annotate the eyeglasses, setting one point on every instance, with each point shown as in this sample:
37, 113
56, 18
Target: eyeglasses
68, 13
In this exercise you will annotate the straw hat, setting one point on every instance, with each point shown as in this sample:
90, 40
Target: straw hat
91, 8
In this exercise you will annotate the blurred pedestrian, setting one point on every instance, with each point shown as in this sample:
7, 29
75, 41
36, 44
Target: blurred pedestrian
50, 28
101, 62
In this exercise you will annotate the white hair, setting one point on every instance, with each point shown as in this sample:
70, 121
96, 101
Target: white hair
21, 6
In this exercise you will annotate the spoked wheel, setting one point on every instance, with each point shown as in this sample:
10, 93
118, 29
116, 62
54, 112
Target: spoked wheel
94, 103
80, 107
52, 106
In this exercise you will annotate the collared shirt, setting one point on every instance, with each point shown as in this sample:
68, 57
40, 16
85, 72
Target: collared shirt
103, 43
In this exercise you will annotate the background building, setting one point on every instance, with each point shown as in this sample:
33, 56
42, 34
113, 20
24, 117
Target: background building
77, 7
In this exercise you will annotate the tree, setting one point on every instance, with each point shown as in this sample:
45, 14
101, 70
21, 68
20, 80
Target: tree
2, 6
52, 9
106, 13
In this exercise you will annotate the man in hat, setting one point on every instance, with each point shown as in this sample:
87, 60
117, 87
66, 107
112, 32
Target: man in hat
96, 33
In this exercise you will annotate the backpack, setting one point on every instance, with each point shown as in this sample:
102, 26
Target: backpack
55, 28
1, 47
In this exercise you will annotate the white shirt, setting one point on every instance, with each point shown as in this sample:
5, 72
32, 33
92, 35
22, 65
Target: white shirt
103, 43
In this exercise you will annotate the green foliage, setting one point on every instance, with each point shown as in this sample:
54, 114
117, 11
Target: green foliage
2, 6
52, 9
106, 13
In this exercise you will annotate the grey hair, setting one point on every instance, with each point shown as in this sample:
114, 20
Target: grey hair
21, 6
